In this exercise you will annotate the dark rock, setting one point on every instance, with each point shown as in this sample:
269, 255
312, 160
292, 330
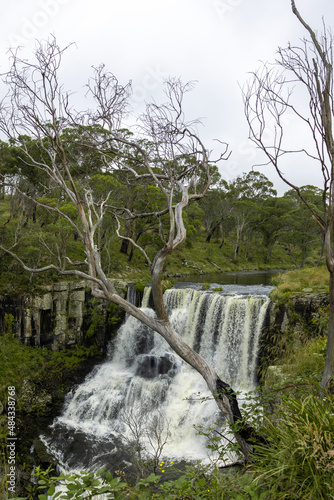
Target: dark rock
60, 317
41, 453
307, 305
294, 316
150, 366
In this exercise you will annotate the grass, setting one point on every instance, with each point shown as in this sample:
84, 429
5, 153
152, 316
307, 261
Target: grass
302, 362
197, 257
315, 279
297, 460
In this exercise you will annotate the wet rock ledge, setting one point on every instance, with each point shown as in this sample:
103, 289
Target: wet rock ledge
63, 314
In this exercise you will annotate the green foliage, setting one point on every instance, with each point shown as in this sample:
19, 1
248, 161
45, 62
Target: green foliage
55, 374
321, 320
299, 362
167, 283
248, 207
9, 322
114, 314
36, 373
196, 482
297, 460
292, 282
18, 362
306, 360
78, 485
260, 226
140, 286
97, 318
61, 239
40, 378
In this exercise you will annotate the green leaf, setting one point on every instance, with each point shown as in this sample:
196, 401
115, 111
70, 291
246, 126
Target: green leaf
95, 482
152, 478
101, 471
108, 477
51, 490
72, 486
58, 494
201, 482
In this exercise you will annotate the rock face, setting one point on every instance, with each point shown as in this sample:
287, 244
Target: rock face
60, 317
301, 309
67, 314
291, 317
152, 366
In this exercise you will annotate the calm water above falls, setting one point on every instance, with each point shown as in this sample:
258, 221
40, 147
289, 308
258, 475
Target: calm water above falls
241, 282
144, 379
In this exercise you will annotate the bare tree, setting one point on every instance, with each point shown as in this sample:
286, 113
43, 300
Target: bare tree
164, 150
273, 99
147, 435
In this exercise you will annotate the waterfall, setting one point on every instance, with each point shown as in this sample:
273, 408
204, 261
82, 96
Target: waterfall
132, 294
143, 378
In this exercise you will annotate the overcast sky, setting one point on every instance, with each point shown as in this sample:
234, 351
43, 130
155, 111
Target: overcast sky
214, 42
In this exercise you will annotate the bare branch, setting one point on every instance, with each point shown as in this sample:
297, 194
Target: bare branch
309, 68
148, 260
164, 152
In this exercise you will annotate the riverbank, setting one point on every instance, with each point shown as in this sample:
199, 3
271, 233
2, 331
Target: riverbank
315, 278
195, 257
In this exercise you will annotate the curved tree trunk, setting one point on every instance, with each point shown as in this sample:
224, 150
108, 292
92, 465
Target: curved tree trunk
223, 394
219, 223
172, 137
211, 232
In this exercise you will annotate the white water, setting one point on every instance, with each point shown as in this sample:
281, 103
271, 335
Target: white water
144, 378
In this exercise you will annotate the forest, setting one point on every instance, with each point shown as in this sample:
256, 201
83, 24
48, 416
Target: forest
238, 224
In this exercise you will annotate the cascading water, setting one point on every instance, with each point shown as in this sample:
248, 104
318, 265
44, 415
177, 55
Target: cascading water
143, 378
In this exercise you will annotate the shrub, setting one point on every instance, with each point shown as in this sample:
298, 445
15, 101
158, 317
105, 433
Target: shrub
298, 459
196, 482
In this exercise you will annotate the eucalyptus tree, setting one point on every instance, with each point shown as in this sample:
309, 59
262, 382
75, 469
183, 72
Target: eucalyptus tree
247, 194
217, 208
177, 163
7, 166
301, 230
238, 199
272, 222
274, 103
